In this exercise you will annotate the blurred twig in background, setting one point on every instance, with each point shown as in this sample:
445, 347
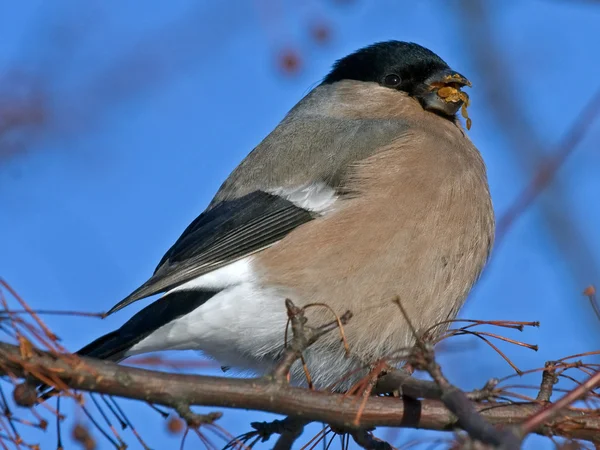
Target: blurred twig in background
527, 146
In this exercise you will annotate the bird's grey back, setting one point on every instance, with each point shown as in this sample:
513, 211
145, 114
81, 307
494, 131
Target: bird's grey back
313, 143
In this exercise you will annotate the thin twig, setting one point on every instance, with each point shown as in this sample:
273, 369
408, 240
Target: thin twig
303, 337
546, 414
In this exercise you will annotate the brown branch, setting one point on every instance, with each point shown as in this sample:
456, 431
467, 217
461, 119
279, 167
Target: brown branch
170, 389
401, 382
549, 379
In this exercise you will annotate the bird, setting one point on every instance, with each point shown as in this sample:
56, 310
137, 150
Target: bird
368, 193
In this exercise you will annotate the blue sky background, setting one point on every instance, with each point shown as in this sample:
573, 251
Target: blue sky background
142, 110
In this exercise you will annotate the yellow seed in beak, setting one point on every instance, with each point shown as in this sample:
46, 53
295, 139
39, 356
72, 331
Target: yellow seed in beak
452, 94
463, 112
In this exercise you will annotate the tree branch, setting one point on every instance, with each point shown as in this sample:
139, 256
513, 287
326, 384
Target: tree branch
171, 390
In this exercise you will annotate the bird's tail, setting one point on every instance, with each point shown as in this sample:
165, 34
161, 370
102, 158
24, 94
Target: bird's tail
114, 346
101, 348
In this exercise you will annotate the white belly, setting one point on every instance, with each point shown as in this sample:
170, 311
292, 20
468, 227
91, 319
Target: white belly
239, 327
243, 327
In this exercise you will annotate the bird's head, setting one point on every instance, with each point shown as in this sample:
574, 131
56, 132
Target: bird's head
409, 68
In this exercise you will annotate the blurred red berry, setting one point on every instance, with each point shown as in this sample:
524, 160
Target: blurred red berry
321, 33
289, 61
175, 425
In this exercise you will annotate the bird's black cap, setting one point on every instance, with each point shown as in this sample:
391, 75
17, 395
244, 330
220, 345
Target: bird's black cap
407, 67
410, 62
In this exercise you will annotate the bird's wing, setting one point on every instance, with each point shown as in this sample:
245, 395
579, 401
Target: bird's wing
261, 202
229, 231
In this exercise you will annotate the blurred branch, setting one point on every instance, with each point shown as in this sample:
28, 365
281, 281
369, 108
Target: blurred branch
45, 109
543, 177
527, 145
171, 390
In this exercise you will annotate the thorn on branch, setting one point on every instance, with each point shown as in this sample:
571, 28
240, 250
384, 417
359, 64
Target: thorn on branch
194, 420
303, 337
487, 392
549, 379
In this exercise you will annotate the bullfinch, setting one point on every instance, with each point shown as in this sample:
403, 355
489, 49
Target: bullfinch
367, 193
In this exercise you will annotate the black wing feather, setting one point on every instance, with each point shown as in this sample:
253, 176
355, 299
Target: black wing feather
114, 346
225, 233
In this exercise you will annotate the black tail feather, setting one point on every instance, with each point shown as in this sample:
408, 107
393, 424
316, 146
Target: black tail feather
114, 346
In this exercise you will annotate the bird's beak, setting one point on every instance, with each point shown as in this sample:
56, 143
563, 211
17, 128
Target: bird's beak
444, 92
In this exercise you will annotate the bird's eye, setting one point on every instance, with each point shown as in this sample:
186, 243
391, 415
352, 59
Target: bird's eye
392, 80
